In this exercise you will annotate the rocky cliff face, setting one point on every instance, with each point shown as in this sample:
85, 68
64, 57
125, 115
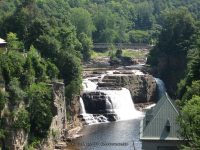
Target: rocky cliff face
97, 103
75, 111
59, 122
17, 139
142, 87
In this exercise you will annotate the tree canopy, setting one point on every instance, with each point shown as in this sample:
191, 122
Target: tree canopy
176, 59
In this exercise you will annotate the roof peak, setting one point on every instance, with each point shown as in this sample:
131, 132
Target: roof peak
2, 41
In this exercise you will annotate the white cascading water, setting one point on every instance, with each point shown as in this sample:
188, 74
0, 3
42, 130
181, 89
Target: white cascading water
161, 87
82, 106
88, 118
89, 85
123, 104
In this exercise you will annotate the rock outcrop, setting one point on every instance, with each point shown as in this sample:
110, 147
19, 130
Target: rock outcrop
142, 87
17, 139
97, 103
59, 122
75, 111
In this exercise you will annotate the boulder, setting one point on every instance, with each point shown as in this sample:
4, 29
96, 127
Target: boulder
97, 103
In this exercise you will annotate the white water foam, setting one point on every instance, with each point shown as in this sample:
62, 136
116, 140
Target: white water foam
161, 87
89, 85
82, 106
123, 104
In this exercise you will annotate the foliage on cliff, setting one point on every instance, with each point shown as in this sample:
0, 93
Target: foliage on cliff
28, 101
169, 56
42, 46
176, 58
40, 109
189, 122
189, 92
47, 26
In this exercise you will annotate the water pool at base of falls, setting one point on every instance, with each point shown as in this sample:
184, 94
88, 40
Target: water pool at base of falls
100, 133
122, 135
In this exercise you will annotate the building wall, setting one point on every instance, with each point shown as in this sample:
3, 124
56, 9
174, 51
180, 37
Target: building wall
160, 145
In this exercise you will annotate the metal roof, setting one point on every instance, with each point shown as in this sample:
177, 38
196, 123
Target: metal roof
154, 125
2, 41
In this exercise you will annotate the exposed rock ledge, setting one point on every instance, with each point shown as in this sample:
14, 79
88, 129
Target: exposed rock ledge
142, 87
74, 133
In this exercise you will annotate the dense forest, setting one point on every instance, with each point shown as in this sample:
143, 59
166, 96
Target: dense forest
57, 36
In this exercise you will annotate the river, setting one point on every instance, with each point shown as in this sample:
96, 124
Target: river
121, 135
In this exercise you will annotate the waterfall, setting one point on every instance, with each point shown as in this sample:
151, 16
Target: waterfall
89, 85
122, 104
106, 104
82, 106
161, 87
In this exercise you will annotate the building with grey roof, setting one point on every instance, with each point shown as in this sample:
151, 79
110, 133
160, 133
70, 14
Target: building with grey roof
2, 42
3, 45
159, 129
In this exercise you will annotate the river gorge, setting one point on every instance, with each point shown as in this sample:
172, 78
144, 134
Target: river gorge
107, 110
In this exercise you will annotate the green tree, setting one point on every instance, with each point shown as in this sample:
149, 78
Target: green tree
82, 20
105, 22
51, 70
193, 72
71, 73
86, 46
190, 124
13, 42
16, 94
3, 99
194, 89
138, 36
48, 46
118, 53
11, 65
40, 109
28, 76
144, 16
21, 120
169, 55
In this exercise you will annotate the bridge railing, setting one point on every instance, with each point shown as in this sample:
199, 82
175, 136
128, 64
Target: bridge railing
122, 45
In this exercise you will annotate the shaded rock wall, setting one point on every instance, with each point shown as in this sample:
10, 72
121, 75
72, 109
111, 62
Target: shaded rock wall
171, 69
97, 103
75, 111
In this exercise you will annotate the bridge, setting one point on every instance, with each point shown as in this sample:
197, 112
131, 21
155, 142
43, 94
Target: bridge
122, 45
